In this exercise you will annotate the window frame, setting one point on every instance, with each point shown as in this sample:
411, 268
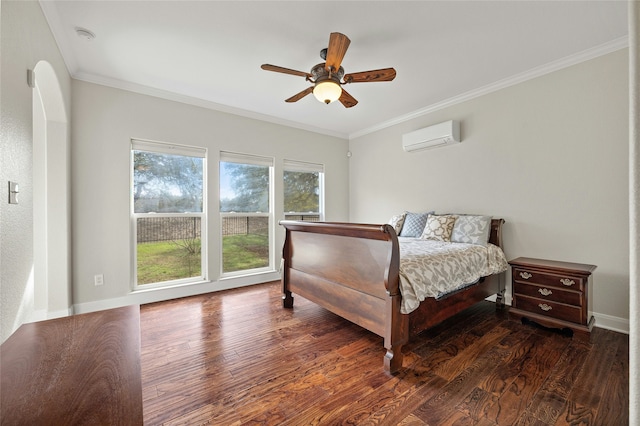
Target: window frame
171, 149
256, 160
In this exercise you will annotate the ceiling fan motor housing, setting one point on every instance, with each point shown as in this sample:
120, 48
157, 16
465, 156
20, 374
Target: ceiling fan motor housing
320, 74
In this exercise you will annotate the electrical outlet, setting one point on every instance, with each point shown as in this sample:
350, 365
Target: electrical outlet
98, 279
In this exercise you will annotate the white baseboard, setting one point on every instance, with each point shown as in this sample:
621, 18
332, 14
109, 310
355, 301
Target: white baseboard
142, 297
60, 313
608, 322
43, 314
39, 315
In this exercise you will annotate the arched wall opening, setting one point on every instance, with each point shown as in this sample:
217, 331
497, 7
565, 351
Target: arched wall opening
51, 197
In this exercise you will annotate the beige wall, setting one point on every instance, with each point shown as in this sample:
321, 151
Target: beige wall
549, 155
634, 210
104, 121
25, 41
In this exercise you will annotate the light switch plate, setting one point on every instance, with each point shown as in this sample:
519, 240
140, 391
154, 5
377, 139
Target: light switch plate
13, 192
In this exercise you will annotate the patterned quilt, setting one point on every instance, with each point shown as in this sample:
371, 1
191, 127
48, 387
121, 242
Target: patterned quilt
433, 269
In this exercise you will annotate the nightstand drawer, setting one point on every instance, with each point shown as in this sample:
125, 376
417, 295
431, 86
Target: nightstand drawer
550, 309
550, 293
549, 279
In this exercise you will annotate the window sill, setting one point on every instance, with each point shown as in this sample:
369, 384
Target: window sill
156, 287
240, 274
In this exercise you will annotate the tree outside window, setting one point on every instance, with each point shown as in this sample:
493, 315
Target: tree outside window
303, 190
245, 210
168, 202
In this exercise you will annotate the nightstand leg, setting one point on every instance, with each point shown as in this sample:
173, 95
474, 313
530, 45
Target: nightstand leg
500, 300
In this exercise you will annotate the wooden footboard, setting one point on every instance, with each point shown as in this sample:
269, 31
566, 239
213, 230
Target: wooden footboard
353, 271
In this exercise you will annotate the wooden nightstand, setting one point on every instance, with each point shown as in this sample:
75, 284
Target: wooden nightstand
553, 294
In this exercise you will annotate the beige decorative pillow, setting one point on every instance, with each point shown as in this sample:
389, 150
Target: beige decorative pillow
439, 228
397, 221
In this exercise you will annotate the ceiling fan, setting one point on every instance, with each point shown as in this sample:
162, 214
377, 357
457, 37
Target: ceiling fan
329, 77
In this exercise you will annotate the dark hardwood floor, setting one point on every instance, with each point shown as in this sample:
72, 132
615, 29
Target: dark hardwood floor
237, 357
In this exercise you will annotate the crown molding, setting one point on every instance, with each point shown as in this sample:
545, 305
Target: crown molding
603, 49
64, 46
53, 20
190, 100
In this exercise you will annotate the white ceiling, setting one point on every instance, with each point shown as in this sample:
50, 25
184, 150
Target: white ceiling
209, 52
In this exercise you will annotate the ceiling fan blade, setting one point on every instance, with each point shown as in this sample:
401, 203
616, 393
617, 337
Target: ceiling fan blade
347, 100
275, 68
338, 45
300, 95
385, 74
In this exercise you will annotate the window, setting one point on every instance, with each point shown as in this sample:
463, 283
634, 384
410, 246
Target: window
168, 200
303, 191
246, 213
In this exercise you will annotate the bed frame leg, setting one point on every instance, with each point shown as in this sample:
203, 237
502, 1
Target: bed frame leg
393, 360
287, 299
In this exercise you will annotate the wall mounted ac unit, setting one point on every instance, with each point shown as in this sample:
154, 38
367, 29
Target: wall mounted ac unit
433, 136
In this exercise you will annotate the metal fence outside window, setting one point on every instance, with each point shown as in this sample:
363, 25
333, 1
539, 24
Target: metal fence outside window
304, 217
151, 229
181, 228
243, 225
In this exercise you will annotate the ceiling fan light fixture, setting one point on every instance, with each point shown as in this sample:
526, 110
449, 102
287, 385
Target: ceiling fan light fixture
327, 91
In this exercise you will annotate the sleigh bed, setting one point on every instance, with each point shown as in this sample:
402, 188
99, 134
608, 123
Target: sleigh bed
353, 270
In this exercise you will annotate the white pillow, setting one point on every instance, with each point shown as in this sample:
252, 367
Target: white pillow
397, 221
472, 229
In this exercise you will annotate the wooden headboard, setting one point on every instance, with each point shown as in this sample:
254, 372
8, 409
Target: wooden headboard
495, 237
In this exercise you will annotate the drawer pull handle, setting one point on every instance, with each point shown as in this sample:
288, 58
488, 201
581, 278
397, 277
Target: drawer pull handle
525, 275
567, 282
545, 307
545, 291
